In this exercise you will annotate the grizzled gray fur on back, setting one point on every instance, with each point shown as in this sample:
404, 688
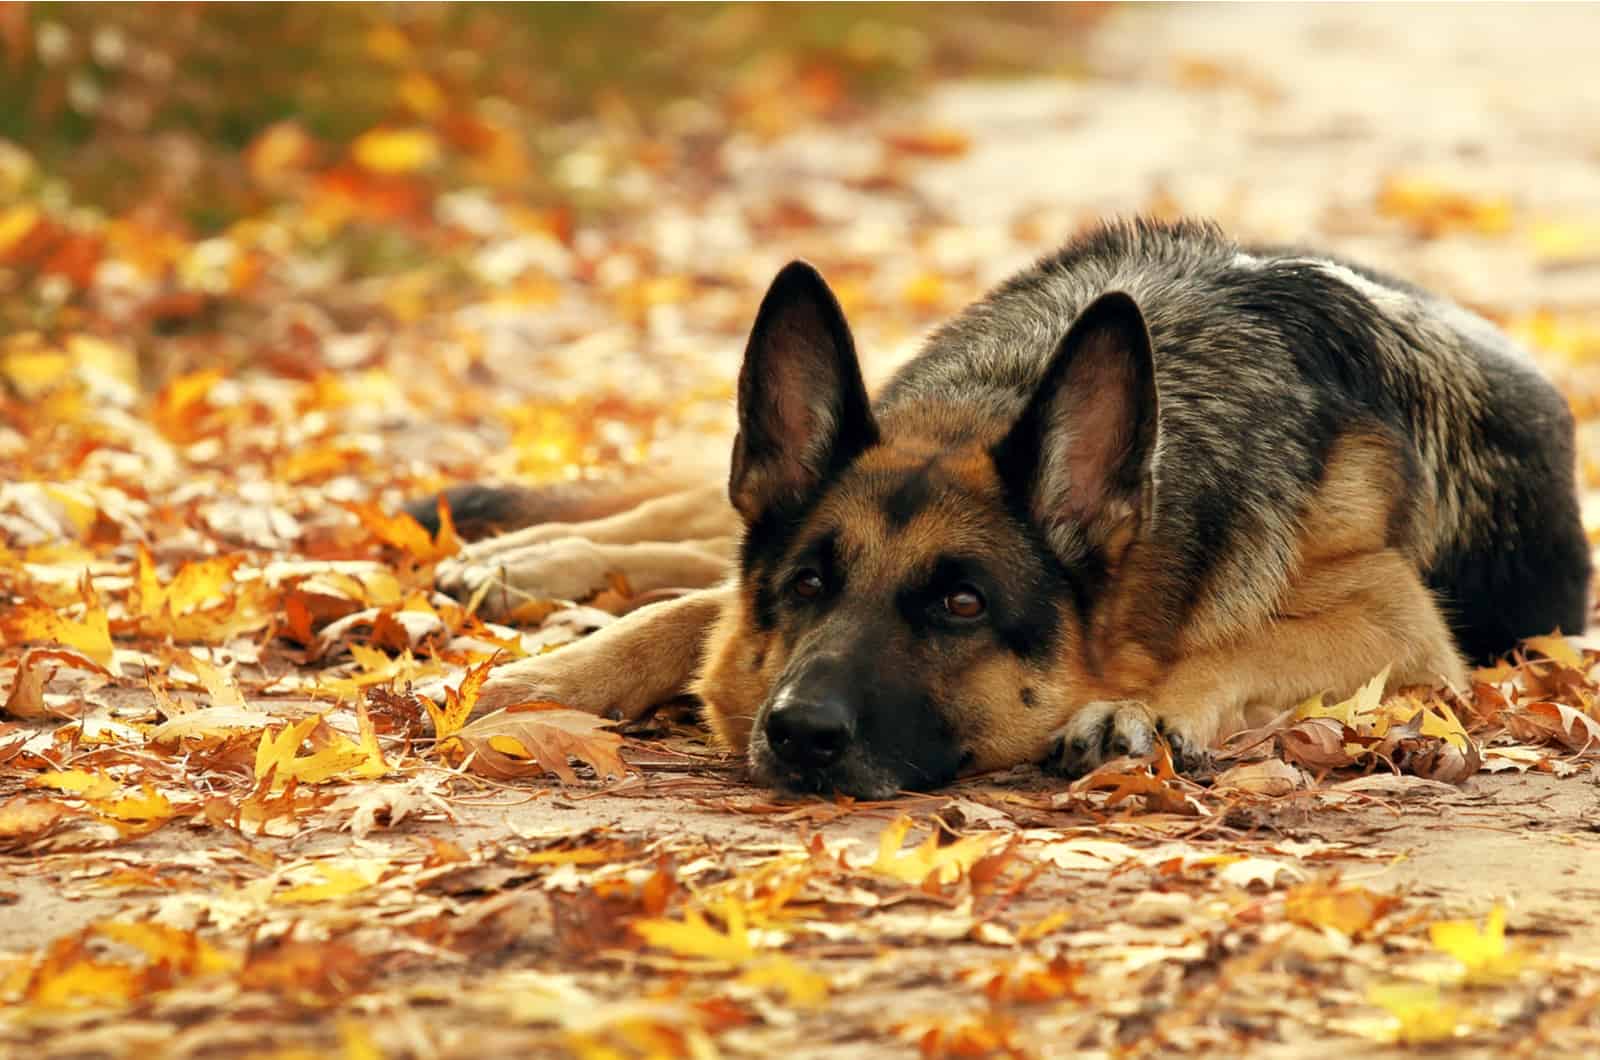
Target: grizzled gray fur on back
1263, 359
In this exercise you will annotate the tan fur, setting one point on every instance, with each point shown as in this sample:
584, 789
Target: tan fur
684, 540
642, 659
1352, 607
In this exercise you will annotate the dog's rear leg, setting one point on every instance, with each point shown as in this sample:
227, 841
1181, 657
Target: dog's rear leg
574, 568
683, 515
644, 658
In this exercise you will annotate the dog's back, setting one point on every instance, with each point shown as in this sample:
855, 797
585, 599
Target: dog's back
1268, 363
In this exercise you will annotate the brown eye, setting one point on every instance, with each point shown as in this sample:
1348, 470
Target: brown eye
964, 603
807, 585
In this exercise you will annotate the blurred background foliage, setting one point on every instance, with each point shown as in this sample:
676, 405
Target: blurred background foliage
128, 101
171, 173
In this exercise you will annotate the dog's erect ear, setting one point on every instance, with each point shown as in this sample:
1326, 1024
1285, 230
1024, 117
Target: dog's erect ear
1079, 457
803, 410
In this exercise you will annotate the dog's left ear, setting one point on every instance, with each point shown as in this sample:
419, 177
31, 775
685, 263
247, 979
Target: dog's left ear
803, 409
1079, 456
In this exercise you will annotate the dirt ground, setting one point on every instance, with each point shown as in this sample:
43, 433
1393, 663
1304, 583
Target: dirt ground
419, 910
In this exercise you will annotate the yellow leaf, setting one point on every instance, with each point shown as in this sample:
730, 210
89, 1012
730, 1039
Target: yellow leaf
336, 880
1570, 241
355, 1042
1439, 720
1348, 910
82, 980
801, 986
182, 951
930, 861
378, 669
174, 412
1433, 209
38, 624
1421, 1014
218, 683
277, 749
1556, 647
458, 705
193, 586
1360, 712
35, 372
79, 782
693, 936
395, 151
337, 757
1483, 952
149, 805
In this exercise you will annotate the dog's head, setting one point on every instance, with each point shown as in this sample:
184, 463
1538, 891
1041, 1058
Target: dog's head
920, 587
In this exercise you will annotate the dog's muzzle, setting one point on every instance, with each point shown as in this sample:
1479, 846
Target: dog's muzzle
809, 731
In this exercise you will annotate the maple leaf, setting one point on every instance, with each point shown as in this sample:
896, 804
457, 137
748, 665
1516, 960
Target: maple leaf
26, 698
1556, 647
1483, 952
694, 936
377, 668
332, 880
1421, 1014
32, 622
1349, 910
537, 738
1553, 723
801, 987
67, 976
400, 531
928, 862
193, 586
79, 782
181, 951
459, 703
336, 758
148, 805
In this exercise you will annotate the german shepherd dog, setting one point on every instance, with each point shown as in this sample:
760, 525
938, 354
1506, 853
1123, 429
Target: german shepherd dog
1158, 486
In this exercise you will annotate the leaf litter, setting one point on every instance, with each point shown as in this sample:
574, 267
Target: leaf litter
246, 806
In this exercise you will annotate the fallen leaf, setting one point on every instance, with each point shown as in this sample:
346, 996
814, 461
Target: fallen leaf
25, 820
1347, 909
537, 739
929, 862
694, 936
1483, 952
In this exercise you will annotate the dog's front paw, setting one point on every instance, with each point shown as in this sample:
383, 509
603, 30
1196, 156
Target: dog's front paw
1101, 731
566, 569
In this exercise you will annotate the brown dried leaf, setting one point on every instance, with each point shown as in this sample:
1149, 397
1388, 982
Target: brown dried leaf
538, 738
1271, 776
1316, 743
1553, 723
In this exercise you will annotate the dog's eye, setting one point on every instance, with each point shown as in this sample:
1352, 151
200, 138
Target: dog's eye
807, 585
966, 603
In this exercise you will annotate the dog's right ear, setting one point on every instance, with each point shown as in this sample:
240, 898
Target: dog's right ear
803, 410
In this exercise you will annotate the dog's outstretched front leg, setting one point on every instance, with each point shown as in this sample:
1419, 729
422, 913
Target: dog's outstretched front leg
642, 659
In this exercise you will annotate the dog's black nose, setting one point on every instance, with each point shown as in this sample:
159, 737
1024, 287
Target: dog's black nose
808, 734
